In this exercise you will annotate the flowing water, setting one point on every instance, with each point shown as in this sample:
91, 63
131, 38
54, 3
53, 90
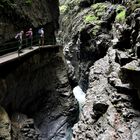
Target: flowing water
80, 96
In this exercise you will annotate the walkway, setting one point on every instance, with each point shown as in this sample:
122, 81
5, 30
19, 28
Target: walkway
14, 55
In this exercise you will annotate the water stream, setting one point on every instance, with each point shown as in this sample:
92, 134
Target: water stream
80, 96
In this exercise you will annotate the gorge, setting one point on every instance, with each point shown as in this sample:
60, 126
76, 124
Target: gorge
86, 88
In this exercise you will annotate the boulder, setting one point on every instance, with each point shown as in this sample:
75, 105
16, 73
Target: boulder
5, 125
122, 57
99, 108
131, 73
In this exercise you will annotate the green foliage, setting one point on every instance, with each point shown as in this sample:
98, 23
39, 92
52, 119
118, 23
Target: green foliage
90, 18
101, 6
95, 29
29, 2
63, 9
99, 9
121, 16
121, 13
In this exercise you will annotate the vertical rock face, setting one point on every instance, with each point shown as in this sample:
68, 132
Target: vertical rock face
22, 14
37, 85
111, 110
106, 39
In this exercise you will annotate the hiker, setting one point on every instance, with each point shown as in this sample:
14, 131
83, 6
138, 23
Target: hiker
19, 37
29, 38
41, 36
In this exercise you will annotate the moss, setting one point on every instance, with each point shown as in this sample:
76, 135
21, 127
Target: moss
99, 9
3, 115
121, 14
95, 30
101, 6
90, 18
29, 2
63, 9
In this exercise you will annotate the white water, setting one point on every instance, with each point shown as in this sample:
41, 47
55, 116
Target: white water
80, 96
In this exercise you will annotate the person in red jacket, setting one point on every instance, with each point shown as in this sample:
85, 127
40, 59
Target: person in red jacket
29, 37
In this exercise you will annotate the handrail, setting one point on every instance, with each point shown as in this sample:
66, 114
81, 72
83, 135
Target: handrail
34, 40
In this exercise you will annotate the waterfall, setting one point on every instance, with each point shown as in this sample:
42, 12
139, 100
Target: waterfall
80, 96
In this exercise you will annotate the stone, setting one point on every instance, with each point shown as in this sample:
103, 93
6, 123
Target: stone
122, 57
5, 125
131, 73
100, 108
84, 3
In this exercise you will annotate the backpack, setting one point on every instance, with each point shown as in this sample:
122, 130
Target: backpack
39, 31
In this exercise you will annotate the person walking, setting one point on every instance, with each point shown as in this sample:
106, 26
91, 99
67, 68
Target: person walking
19, 37
41, 37
29, 38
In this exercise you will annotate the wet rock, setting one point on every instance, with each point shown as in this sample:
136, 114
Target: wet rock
125, 88
100, 108
106, 50
5, 125
48, 13
85, 3
23, 127
122, 57
124, 38
130, 73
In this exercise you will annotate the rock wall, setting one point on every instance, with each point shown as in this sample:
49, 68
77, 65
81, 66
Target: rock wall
105, 39
36, 86
21, 15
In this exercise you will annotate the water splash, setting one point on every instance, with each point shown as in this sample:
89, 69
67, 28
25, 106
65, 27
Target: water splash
80, 96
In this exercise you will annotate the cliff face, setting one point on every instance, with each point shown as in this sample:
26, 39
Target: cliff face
21, 14
105, 39
36, 86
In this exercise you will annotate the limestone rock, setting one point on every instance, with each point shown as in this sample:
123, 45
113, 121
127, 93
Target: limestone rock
5, 125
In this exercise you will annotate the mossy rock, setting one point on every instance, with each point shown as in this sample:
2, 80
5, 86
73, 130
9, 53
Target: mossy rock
95, 30
90, 18
99, 9
121, 14
5, 125
28, 2
63, 9
99, 6
135, 6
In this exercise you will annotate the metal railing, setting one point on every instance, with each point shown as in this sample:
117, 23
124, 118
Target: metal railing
26, 43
